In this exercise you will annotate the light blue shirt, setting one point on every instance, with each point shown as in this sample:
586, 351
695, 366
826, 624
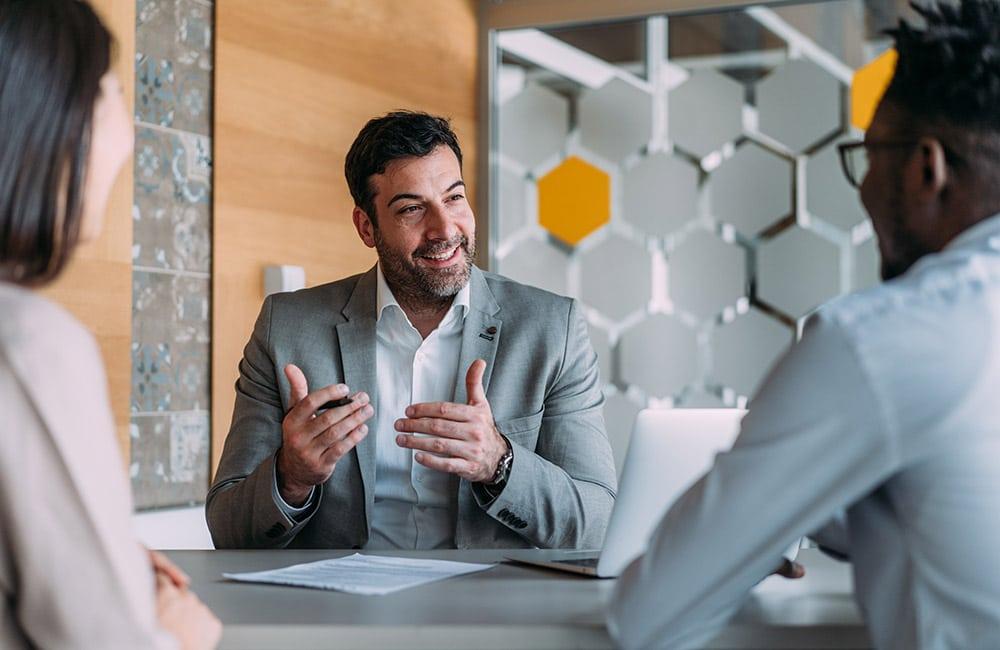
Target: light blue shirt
889, 408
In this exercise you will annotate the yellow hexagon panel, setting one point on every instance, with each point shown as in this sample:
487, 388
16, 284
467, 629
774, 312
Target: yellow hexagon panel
574, 200
868, 86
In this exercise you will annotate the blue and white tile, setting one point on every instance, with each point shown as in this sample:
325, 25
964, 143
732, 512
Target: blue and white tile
174, 49
170, 459
172, 210
171, 233
170, 342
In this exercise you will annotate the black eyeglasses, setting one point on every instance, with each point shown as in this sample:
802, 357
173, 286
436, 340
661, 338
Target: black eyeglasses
854, 157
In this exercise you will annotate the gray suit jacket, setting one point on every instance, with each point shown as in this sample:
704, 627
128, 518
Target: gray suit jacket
541, 381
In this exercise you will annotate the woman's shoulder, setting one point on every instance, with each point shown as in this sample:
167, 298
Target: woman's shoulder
32, 325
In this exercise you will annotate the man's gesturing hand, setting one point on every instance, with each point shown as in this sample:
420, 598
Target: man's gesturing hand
464, 440
312, 444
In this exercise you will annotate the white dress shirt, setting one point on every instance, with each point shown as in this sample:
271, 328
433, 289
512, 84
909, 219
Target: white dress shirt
889, 408
414, 505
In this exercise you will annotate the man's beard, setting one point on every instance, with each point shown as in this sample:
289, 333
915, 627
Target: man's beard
420, 286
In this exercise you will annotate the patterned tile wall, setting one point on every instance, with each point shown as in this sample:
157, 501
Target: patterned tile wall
172, 252
727, 222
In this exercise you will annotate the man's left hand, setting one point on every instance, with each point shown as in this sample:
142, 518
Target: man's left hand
464, 441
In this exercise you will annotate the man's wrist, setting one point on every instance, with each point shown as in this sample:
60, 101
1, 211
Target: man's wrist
501, 469
296, 497
294, 494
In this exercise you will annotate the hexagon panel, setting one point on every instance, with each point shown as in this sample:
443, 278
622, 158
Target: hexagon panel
866, 268
868, 86
706, 274
574, 200
615, 120
798, 104
828, 194
601, 343
616, 277
619, 417
744, 351
538, 264
797, 271
659, 355
705, 112
661, 194
513, 208
533, 125
752, 190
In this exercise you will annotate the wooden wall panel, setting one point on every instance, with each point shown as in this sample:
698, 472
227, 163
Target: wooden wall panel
295, 82
97, 285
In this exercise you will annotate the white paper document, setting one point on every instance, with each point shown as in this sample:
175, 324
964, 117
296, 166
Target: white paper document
369, 575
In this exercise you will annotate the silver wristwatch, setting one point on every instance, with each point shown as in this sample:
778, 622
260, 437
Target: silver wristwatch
496, 484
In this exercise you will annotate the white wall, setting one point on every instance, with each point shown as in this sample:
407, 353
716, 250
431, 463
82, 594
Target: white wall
180, 528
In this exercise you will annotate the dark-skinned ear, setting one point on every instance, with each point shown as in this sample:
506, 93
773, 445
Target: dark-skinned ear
933, 167
364, 226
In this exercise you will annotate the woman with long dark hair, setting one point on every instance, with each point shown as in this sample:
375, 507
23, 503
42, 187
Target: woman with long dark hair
71, 572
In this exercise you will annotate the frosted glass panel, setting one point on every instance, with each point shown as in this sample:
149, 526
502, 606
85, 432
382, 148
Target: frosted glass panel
829, 196
616, 277
661, 194
615, 120
533, 125
705, 112
798, 271
659, 355
745, 349
538, 264
707, 274
798, 104
681, 180
752, 190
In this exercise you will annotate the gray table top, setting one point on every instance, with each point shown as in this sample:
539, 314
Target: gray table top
507, 606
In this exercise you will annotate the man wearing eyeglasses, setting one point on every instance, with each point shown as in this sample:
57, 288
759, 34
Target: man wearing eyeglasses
887, 410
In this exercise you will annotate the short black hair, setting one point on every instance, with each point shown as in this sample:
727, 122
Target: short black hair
399, 134
53, 54
949, 71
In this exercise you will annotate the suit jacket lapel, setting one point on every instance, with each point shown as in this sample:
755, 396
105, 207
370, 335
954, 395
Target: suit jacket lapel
480, 336
480, 339
357, 353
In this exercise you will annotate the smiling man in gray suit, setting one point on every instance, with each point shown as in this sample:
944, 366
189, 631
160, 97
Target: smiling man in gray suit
457, 409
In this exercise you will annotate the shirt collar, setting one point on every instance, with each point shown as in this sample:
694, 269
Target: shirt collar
988, 229
384, 297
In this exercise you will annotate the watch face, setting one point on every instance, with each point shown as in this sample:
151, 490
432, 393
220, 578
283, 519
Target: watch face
503, 468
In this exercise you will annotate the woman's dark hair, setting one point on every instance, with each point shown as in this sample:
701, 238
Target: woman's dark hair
949, 71
400, 134
53, 54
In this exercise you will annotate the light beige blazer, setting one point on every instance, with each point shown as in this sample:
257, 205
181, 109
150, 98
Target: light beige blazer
72, 574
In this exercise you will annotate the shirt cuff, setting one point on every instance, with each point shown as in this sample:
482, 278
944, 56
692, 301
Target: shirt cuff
290, 511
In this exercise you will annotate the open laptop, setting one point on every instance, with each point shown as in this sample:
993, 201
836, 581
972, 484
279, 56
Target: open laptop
670, 449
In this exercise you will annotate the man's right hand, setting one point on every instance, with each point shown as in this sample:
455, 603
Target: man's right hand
312, 444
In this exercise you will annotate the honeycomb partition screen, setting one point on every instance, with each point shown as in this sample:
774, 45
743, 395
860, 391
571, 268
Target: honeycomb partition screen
678, 174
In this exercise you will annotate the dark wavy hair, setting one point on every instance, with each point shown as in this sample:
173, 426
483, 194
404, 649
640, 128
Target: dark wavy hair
53, 54
949, 71
400, 134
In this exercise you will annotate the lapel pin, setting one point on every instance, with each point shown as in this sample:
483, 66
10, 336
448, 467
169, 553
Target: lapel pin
488, 335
